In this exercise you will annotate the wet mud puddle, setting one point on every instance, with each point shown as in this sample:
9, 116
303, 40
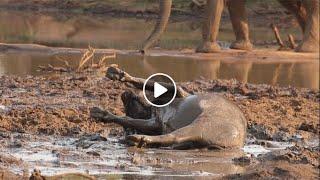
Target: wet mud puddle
105, 157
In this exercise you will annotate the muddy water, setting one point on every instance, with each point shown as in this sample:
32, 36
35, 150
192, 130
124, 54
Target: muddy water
107, 158
298, 74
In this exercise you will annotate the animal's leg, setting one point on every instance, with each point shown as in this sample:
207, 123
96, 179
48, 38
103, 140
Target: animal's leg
186, 134
211, 27
115, 73
310, 42
149, 126
296, 8
240, 26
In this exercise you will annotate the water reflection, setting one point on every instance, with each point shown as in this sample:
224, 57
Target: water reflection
299, 74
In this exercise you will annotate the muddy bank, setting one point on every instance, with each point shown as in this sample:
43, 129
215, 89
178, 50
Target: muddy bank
58, 105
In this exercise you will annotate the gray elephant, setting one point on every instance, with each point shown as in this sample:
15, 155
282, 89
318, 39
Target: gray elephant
305, 11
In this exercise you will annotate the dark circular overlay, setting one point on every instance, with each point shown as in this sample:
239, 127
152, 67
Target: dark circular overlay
166, 82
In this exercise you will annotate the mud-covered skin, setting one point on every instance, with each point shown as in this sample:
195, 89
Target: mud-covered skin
203, 120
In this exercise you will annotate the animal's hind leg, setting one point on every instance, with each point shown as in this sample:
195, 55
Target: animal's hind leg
296, 8
148, 126
240, 25
310, 42
179, 136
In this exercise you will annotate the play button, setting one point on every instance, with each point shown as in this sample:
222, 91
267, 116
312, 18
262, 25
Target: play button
159, 90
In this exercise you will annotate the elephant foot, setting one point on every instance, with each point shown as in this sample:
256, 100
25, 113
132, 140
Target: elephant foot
308, 47
208, 47
242, 45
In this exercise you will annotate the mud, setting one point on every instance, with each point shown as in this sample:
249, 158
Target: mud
48, 115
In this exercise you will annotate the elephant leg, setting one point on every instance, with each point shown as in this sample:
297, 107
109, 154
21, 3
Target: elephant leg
239, 19
310, 41
211, 27
148, 126
162, 21
296, 8
179, 136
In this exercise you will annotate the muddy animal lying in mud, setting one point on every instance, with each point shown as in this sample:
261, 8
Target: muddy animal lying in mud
189, 121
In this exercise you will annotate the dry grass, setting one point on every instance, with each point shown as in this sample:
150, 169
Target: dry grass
88, 57
87, 62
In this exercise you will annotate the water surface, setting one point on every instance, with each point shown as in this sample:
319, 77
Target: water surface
298, 74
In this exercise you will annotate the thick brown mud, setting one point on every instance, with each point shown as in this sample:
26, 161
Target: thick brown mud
50, 115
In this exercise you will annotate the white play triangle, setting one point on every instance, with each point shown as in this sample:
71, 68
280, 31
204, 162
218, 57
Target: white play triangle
158, 90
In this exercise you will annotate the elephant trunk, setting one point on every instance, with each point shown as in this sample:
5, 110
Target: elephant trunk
162, 21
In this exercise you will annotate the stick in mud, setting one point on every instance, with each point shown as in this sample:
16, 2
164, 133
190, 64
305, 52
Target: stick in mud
277, 35
292, 42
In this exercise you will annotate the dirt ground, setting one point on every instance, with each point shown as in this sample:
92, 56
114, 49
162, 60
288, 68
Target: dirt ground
59, 103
